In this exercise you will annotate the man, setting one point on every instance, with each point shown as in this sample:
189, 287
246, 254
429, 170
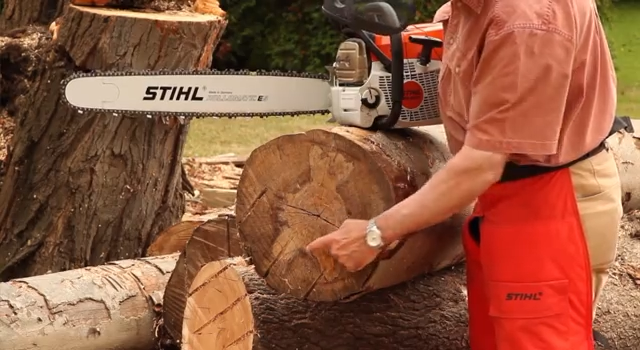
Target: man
527, 95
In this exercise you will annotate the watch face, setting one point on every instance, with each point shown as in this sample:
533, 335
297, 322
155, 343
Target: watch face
374, 238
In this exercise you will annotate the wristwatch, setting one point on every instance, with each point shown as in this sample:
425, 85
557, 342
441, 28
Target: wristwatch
373, 235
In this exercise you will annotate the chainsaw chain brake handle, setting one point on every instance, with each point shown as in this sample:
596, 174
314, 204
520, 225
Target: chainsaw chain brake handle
364, 19
428, 44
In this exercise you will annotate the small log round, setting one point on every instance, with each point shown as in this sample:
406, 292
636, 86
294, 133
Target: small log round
214, 240
227, 322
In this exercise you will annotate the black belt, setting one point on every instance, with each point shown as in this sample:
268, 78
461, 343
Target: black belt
513, 171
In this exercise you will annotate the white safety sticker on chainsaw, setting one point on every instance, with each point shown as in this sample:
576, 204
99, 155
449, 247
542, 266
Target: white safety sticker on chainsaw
350, 101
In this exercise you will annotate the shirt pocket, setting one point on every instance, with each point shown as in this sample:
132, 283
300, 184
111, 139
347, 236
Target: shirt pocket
458, 74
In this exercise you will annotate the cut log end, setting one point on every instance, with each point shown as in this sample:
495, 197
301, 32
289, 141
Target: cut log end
158, 35
218, 313
214, 240
299, 187
173, 239
182, 16
322, 179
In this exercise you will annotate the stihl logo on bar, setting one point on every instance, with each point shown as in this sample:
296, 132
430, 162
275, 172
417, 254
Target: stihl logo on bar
172, 93
523, 296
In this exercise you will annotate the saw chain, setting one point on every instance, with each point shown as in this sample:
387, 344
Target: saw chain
194, 115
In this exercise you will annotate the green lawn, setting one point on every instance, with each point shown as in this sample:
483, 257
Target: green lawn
208, 137
625, 39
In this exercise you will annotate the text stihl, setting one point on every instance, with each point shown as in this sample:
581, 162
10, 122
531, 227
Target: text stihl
523, 296
172, 93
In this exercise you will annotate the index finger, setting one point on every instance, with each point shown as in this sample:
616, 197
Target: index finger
323, 242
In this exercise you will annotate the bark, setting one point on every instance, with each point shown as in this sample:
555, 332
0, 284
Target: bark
428, 312
298, 187
113, 306
83, 189
217, 239
20, 13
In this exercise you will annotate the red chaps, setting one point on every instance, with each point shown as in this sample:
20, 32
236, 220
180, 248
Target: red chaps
528, 270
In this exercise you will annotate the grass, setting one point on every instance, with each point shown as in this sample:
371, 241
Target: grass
209, 137
625, 39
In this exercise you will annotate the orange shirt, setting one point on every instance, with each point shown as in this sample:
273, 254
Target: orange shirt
533, 79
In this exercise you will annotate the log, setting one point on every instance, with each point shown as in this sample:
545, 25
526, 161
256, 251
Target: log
298, 187
226, 323
626, 147
218, 197
85, 188
326, 176
428, 312
113, 306
221, 232
214, 240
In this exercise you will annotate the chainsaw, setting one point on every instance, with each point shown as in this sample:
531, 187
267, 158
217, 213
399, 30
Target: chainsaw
385, 76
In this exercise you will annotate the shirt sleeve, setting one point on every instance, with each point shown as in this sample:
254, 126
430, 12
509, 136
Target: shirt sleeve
519, 92
443, 13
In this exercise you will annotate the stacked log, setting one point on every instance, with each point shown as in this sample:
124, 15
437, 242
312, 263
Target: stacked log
113, 306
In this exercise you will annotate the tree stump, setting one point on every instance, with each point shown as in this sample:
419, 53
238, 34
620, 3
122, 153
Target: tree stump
21, 13
85, 188
216, 239
299, 187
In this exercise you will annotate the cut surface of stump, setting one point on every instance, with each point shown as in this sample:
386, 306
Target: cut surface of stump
299, 187
85, 188
214, 240
225, 321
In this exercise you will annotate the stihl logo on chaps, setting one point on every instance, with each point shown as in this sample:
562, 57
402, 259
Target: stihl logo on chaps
172, 93
523, 296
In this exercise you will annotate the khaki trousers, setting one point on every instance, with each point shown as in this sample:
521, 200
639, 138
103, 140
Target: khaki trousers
598, 193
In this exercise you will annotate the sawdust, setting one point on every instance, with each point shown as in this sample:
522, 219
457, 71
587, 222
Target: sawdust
206, 174
21, 53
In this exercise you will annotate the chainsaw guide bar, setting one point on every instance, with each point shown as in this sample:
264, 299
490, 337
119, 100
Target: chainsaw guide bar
190, 115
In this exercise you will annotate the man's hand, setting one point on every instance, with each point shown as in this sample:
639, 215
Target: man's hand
347, 245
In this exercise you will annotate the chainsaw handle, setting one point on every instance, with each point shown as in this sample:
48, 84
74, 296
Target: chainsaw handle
397, 86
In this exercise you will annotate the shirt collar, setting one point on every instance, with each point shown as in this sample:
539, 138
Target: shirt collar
476, 5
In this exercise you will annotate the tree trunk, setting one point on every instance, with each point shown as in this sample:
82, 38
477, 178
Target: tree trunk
20, 13
85, 188
298, 187
214, 240
113, 306
428, 312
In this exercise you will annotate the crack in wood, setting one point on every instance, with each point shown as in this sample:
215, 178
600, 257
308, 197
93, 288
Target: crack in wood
233, 304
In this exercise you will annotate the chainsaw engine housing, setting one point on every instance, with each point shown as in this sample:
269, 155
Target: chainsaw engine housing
361, 85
